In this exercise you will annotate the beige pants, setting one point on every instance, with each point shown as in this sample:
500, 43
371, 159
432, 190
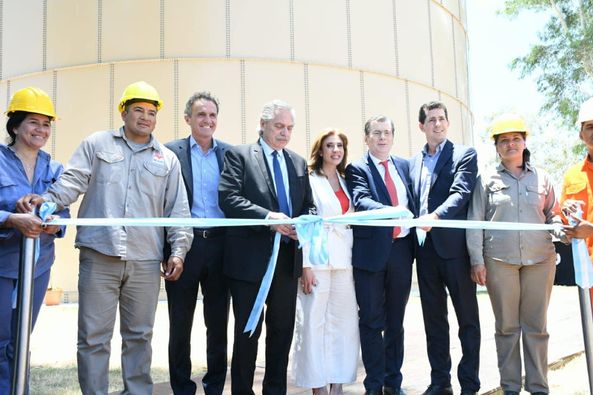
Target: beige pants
520, 296
104, 284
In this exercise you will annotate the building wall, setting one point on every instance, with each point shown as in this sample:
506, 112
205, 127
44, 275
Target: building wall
337, 62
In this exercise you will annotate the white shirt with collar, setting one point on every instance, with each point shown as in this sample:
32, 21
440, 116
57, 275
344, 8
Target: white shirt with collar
400, 187
270, 160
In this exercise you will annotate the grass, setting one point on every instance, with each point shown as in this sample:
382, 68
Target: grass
63, 380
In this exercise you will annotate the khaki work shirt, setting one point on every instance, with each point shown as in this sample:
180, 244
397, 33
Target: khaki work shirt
120, 182
500, 196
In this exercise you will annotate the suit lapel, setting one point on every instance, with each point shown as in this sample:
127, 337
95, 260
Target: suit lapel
379, 183
345, 189
416, 174
336, 201
220, 150
184, 155
443, 158
405, 180
292, 180
259, 158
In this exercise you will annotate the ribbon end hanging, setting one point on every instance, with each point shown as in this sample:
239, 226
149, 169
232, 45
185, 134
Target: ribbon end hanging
421, 236
251, 332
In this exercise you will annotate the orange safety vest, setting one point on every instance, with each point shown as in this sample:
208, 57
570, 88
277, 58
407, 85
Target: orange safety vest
578, 184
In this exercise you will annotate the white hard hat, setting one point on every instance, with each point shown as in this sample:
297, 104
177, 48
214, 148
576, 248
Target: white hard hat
586, 112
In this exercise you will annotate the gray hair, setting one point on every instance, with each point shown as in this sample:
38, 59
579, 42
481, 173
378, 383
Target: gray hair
378, 118
270, 110
200, 96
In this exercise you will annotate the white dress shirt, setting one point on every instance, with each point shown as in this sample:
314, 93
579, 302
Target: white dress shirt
400, 187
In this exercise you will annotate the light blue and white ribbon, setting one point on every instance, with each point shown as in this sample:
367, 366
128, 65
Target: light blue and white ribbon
311, 233
313, 236
391, 216
46, 209
583, 270
264, 289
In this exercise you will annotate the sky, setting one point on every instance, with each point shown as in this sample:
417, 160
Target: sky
494, 41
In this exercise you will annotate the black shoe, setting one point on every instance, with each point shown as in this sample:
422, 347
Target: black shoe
392, 391
511, 393
438, 390
373, 392
467, 392
539, 393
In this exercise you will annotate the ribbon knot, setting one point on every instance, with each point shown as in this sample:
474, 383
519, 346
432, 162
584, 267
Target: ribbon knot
313, 236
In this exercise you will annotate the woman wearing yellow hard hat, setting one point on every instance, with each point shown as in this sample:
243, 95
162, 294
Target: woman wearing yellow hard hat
517, 267
24, 168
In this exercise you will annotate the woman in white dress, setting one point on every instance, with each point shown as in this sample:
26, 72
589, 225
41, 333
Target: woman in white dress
326, 343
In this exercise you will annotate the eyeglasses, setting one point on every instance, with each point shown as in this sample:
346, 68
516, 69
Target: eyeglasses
379, 133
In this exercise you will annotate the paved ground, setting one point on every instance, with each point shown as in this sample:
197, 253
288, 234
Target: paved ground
54, 342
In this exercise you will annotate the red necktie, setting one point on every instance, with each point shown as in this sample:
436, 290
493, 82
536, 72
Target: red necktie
392, 193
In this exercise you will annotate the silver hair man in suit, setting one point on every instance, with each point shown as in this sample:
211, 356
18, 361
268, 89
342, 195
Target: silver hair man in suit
264, 180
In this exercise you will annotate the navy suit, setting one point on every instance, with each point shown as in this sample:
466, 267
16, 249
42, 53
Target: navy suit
203, 266
246, 190
443, 262
382, 276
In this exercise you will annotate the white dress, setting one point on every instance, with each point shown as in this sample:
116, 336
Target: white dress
326, 342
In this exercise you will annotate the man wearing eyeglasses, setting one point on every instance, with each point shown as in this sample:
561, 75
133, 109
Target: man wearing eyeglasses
382, 258
443, 177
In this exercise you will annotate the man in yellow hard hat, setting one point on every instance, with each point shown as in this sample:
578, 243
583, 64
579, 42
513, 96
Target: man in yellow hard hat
123, 173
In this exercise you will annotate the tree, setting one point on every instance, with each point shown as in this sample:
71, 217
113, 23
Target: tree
562, 61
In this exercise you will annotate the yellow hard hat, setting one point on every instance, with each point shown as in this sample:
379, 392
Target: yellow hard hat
506, 124
586, 112
140, 91
31, 99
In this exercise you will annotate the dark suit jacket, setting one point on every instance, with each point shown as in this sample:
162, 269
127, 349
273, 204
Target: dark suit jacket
372, 245
182, 150
246, 190
450, 192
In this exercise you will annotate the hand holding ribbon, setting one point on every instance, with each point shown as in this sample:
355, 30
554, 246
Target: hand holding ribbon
583, 270
45, 213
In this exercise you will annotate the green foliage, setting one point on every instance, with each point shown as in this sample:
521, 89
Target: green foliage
514, 7
562, 62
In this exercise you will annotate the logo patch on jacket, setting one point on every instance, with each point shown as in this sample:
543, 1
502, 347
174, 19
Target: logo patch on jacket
157, 156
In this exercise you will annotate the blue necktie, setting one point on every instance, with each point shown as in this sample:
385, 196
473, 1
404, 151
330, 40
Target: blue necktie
280, 189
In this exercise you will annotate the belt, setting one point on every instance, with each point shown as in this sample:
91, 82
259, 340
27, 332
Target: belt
209, 232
